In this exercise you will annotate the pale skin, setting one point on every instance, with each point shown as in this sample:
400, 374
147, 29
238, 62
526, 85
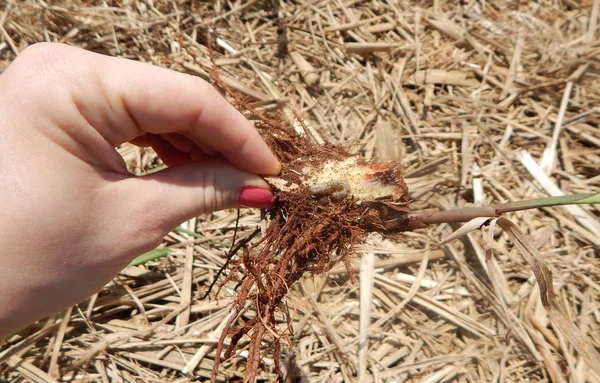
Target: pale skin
72, 215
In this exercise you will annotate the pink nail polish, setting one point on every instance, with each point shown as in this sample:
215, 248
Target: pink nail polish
251, 196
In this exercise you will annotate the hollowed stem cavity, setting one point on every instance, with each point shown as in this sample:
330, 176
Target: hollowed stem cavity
337, 189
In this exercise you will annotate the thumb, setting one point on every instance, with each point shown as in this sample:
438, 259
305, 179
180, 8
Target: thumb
184, 191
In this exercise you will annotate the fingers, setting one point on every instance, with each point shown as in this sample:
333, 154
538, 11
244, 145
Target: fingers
181, 192
173, 149
160, 101
124, 99
170, 155
179, 141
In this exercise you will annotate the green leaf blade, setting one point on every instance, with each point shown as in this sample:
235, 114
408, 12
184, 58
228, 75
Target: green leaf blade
150, 256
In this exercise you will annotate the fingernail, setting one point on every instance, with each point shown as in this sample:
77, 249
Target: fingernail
252, 196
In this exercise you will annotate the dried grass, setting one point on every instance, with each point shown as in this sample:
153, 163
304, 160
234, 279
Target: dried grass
454, 92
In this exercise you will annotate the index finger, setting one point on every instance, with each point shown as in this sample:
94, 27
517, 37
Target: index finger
157, 100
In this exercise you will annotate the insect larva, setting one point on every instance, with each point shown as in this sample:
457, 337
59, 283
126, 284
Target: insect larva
337, 189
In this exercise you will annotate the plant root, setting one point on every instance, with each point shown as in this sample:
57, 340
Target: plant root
315, 224
327, 201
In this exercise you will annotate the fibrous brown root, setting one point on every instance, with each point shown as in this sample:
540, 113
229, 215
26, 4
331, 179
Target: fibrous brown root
306, 234
308, 231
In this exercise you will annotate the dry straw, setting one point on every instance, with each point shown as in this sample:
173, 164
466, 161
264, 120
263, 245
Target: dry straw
454, 93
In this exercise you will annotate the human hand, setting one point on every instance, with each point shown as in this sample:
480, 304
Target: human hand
72, 215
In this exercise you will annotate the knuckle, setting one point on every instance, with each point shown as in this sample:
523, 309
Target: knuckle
150, 235
141, 224
45, 55
239, 142
146, 229
206, 89
49, 68
201, 83
50, 63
